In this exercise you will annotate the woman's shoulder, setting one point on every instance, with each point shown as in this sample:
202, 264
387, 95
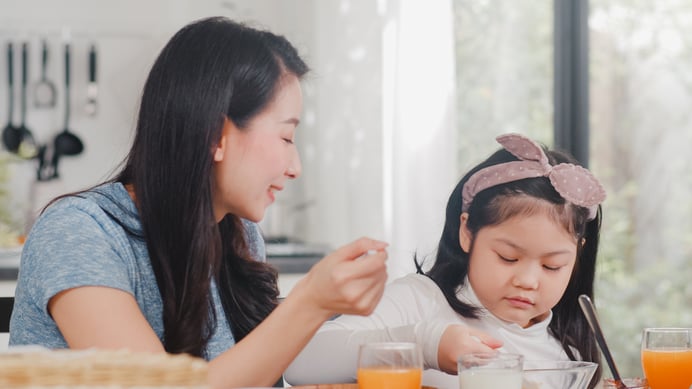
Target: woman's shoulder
106, 203
82, 220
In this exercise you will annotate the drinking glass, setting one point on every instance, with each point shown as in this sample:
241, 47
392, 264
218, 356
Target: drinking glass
390, 365
490, 370
667, 357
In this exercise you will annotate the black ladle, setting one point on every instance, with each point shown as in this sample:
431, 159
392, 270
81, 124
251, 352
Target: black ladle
27, 145
11, 136
65, 143
590, 313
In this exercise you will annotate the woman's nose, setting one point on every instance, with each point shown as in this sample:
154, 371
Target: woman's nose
295, 168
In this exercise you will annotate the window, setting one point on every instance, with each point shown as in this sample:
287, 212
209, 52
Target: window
641, 94
504, 73
640, 53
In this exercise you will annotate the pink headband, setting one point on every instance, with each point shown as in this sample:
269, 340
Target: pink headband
574, 183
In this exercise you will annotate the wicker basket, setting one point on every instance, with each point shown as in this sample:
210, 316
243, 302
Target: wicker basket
100, 369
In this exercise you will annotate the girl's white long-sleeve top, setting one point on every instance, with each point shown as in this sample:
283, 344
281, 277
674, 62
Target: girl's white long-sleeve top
412, 309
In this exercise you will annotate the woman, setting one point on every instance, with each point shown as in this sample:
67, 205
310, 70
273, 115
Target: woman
160, 258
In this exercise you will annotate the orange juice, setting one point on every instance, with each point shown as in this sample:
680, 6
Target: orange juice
389, 378
668, 369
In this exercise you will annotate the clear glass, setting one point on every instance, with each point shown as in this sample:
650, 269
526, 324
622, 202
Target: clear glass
667, 357
558, 374
490, 370
390, 365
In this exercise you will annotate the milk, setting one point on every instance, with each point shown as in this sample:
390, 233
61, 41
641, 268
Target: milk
489, 379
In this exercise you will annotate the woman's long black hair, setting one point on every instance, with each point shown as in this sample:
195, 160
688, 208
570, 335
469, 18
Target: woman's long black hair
493, 206
210, 70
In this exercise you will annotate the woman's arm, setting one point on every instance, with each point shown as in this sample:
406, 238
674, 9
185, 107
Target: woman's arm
343, 282
102, 317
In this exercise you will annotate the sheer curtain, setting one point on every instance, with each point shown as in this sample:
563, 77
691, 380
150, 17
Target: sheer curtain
419, 132
378, 136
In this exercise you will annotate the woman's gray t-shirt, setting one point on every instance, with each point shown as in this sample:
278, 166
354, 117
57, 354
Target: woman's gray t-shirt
77, 242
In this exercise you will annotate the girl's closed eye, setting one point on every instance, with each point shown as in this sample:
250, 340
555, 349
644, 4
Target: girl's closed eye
288, 140
507, 259
552, 268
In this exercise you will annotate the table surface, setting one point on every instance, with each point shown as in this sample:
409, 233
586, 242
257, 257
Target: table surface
338, 386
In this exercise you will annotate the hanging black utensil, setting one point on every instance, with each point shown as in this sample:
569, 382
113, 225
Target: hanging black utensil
11, 136
44, 89
27, 145
91, 106
65, 143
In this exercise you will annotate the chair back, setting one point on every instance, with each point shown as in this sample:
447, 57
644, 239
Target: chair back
6, 305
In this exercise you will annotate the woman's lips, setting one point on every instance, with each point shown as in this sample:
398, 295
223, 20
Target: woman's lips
272, 190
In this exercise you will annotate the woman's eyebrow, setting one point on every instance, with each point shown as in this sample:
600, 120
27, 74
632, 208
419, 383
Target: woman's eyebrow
294, 121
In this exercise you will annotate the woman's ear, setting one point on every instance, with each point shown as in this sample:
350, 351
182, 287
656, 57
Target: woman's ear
464, 233
220, 149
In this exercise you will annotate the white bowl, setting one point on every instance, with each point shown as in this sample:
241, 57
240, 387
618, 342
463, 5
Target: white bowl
557, 374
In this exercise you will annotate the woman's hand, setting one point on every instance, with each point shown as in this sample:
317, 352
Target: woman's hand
458, 339
349, 281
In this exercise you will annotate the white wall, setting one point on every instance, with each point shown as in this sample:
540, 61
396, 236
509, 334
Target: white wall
354, 111
128, 35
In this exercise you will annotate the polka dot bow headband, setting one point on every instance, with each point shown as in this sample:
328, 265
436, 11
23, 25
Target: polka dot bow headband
574, 183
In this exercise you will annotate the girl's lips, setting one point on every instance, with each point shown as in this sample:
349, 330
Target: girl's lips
520, 302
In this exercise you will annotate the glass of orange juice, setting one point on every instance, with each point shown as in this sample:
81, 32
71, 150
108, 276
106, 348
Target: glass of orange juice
667, 357
390, 365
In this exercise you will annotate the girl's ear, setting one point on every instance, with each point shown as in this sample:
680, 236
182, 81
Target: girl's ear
220, 149
464, 233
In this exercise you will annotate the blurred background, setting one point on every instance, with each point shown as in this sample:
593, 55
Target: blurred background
403, 98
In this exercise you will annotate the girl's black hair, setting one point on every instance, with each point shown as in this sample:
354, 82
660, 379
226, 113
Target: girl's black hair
210, 70
488, 208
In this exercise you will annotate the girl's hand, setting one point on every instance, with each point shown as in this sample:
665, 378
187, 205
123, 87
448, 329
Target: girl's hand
458, 339
349, 281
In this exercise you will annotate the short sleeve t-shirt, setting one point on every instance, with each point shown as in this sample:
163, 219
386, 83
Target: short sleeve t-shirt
94, 239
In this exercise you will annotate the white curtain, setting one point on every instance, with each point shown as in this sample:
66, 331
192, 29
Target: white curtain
378, 136
419, 131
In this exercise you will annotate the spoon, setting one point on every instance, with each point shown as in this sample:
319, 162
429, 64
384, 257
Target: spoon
590, 312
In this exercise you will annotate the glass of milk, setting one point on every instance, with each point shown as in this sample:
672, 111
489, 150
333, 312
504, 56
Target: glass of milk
490, 370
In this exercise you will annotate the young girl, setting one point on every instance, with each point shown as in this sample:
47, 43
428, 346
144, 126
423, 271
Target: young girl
166, 256
518, 247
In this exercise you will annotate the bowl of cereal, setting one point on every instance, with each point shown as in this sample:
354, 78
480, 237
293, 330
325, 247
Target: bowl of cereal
557, 374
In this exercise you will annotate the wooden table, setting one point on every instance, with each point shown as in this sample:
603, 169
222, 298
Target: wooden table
338, 386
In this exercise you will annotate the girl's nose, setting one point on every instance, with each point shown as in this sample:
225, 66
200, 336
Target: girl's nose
526, 278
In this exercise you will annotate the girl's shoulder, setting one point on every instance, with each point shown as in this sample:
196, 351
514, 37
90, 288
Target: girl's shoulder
416, 286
